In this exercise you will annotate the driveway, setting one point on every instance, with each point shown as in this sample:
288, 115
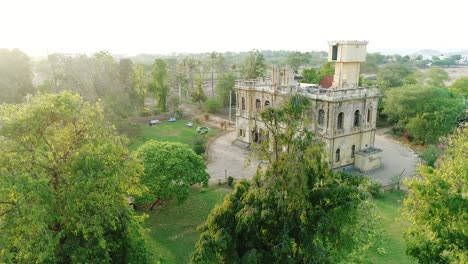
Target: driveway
396, 159
227, 159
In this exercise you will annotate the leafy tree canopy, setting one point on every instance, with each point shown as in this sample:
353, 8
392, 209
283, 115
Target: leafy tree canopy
170, 169
64, 181
460, 87
296, 211
159, 86
254, 65
393, 75
427, 112
436, 208
225, 87
15, 76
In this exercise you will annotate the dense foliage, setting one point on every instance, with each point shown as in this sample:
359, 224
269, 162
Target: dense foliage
15, 76
296, 211
426, 112
436, 207
64, 181
170, 169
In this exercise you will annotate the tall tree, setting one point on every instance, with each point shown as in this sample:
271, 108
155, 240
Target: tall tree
297, 211
297, 59
15, 76
170, 170
254, 65
198, 96
436, 207
213, 56
225, 88
393, 75
460, 87
427, 112
64, 181
159, 85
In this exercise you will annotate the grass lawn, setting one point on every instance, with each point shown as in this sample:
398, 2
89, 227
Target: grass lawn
389, 208
172, 228
177, 131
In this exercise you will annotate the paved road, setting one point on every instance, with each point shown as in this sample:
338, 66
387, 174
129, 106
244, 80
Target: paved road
396, 159
224, 155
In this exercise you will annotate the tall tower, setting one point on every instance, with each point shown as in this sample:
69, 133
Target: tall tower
347, 56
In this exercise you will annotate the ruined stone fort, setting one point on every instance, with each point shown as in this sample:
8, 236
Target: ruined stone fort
344, 115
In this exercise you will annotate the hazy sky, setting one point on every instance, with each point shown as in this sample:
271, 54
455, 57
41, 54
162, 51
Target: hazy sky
142, 26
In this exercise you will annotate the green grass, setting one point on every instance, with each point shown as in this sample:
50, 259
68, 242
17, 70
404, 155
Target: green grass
389, 209
172, 228
177, 131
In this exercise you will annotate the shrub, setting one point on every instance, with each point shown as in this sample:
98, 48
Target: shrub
199, 144
179, 113
207, 117
203, 130
212, 106
197, 120
431, 155
374, 188
230, 180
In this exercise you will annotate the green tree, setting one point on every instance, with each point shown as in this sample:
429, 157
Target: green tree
393, 75
297, 59
159, 86
297, 210
15, 76
64, 181
427, 112
436, 77
436, 208
433, 77
225, 88
254, 65
310, 75
460, 87
198, 96
140, 84
170, 169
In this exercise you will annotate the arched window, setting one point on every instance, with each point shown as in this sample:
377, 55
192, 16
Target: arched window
267, 103
357, 117
337, 155
340, 120
353, 149
321, 117
369, 115
258, 104
243, 103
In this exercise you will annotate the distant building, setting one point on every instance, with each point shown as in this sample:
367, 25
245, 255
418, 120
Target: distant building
344, 115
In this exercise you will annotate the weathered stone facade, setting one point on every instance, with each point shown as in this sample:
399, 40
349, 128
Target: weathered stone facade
344, 114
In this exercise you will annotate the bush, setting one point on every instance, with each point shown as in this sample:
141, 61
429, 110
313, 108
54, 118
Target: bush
179, 113
145, 112
212, 106
230, 180
199, 144
374, 188
431, 155
207, 117
203, 130
197, 120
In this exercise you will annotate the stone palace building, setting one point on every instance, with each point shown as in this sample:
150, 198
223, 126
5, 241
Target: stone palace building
344, 114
